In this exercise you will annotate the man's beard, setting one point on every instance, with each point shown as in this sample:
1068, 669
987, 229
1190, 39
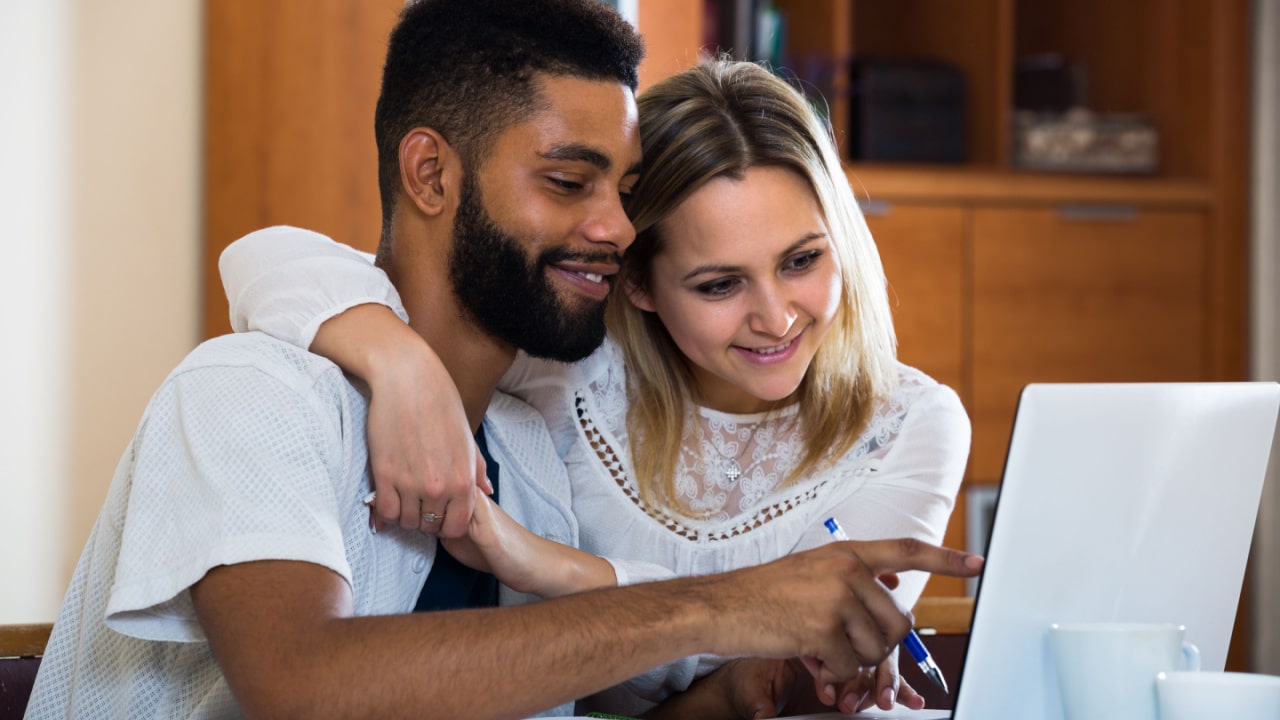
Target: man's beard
509, 295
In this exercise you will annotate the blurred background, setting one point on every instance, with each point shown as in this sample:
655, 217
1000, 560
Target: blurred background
1061, 190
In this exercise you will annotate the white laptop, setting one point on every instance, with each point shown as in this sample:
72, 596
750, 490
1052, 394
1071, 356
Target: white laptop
1120, 502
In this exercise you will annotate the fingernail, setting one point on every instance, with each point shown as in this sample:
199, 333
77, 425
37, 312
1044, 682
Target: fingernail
368, 499
887, 697
974, 562
850, 703
829, 691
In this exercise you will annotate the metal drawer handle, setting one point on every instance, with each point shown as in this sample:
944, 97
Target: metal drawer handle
1098, 212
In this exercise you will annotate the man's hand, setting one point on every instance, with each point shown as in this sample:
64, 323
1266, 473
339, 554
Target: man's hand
827, 603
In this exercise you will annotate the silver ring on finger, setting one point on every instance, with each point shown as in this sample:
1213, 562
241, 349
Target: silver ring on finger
430, 518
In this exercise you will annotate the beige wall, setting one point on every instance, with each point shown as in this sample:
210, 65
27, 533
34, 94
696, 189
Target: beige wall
99, 220
1266, 318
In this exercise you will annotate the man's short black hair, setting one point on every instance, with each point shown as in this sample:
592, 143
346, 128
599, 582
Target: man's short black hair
466, 68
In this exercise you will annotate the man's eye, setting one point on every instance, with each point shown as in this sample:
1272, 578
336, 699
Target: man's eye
568, 185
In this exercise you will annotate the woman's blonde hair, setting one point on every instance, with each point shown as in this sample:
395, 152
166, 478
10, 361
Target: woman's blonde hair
719, 119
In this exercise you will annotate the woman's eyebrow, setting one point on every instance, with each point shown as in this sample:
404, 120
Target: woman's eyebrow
703, 269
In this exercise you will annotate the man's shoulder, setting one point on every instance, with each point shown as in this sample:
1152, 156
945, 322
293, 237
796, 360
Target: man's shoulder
260, 352
256, 372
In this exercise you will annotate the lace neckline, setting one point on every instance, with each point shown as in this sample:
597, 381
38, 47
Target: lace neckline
711, 507
785, 411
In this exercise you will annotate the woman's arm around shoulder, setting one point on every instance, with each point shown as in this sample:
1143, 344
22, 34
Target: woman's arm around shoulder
305, 289
286, 282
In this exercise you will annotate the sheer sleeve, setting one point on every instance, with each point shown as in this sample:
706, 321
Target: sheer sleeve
286, 281
912, 491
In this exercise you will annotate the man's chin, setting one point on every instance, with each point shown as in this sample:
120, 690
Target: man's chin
564, 354
572, 342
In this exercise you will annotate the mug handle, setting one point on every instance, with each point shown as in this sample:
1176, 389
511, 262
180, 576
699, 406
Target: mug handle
1191, 656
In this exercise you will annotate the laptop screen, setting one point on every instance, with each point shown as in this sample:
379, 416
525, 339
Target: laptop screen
1119, 502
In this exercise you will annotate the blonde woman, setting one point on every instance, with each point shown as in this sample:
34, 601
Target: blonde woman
748, 388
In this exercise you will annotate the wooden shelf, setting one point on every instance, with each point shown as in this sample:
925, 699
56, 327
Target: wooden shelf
24, 640
949, 183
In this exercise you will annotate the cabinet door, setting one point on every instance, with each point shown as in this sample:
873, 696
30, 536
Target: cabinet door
923, 250
1081, 294
290, 88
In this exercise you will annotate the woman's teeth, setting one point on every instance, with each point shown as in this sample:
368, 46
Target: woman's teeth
772, 350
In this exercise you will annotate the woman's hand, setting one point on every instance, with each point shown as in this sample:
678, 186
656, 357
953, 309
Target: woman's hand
879, 686
763, 688
746, 688
424, 459
522, 560
423, 456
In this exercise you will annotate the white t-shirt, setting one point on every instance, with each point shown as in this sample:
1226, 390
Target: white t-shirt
900, 478
251, 450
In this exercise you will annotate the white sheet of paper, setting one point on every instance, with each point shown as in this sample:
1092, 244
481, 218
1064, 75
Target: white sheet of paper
896, 713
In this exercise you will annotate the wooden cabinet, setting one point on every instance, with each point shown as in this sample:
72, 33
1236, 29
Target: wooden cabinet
1181, 62
923, 250
1080, 293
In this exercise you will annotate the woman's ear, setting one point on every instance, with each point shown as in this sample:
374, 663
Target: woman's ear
424, 156
636, 292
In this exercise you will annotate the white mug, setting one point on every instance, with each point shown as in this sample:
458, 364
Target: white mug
1108, 670
1199, 695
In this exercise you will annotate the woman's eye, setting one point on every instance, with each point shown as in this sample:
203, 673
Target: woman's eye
718, 288
803, 261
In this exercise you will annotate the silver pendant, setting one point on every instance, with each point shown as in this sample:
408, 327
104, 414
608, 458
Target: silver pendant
732, 471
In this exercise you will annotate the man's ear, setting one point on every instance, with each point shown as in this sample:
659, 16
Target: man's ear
636, 293
425, 169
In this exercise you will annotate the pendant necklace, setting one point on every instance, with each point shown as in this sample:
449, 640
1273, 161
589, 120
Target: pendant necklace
730, 467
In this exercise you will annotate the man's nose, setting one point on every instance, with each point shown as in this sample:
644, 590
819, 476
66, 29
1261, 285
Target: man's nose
610, 225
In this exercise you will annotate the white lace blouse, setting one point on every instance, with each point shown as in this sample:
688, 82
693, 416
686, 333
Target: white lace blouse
900, 478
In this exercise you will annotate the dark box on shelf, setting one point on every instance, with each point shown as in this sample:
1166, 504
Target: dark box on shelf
906, 111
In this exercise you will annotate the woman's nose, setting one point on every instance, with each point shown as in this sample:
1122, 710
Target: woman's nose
773, 314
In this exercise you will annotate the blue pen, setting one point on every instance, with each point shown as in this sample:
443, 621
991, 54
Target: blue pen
918, 651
